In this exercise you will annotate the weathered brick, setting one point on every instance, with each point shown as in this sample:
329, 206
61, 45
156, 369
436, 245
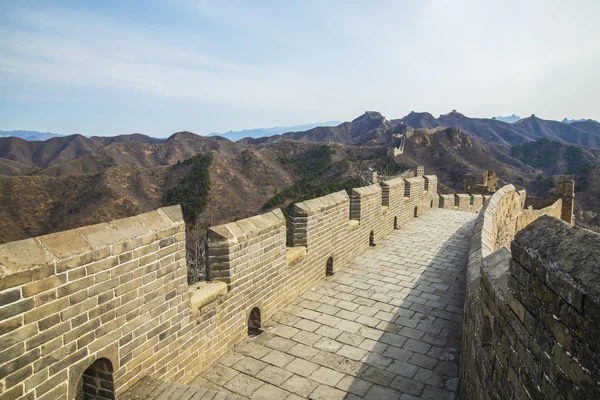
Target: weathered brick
75, 286
48, 335
16, 308
12, 352
20, 362
10, 296
18, 335
77, 309
10, 325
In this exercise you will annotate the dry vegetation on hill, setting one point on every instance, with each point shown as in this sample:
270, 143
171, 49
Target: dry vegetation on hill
72, 181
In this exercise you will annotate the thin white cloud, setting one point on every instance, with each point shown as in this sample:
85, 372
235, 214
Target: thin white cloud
318, 60
114, 56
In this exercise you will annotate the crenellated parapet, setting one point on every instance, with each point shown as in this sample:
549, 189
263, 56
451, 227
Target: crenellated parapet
112, 300
463, 202
530, 323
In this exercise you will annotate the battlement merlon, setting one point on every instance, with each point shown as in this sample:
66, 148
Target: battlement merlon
37, 258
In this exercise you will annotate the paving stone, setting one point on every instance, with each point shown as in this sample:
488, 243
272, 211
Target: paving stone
351, 367
423, 361
274, 375
328, 331
446, 368
353, 353
326, 376
397, 353
307, 338
303, 351
347, 305
302, 367
434, 393
281, 344
293, 396
378, 376
402, 368
382, 393
351, 339
407, 385
309, 314
373, 346
232, 358
278, 358
416, 346
327, 393
252, 349
347, 315
301, 386
393, 339
411, 333
220, 374
249, 366
269, 392
328, 345
328, 309
243, 384
262, 338
328, 320
307, 325
431, 378
377, 360
354, 385
368, 321
285, 331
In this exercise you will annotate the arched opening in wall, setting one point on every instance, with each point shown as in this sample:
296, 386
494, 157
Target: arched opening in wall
486, 336
372, 239
329, 267
96, 382
431, 205
416, 212
254, 322
395, 222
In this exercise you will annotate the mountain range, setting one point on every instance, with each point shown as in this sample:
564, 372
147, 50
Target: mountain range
71, 181
510, 119
585, 133
29, 135
234, 136
503, 130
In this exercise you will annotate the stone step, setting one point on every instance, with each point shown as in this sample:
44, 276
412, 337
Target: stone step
155, 389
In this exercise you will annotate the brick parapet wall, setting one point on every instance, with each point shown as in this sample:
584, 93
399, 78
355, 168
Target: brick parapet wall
118, 291
462, 202
111, 291
522, 337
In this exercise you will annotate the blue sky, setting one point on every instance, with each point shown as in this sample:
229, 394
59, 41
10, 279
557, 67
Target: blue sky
160, 66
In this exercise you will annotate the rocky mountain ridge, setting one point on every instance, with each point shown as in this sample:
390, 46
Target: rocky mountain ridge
72, 181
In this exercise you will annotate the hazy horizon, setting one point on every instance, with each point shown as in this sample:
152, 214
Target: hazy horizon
158, 67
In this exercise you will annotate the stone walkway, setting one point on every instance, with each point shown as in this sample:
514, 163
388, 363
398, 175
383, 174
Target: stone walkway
387, 326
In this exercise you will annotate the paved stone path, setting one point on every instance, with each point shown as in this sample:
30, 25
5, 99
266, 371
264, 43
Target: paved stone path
155, 389
387, 326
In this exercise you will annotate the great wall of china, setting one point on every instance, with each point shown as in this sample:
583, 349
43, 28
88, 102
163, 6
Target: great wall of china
96, 311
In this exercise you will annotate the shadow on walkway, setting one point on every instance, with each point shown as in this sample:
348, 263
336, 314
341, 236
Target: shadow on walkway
387, 326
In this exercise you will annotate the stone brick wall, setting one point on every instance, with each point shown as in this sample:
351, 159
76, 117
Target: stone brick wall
462, 202
113, 291
250, 256
115, 295
526, 330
